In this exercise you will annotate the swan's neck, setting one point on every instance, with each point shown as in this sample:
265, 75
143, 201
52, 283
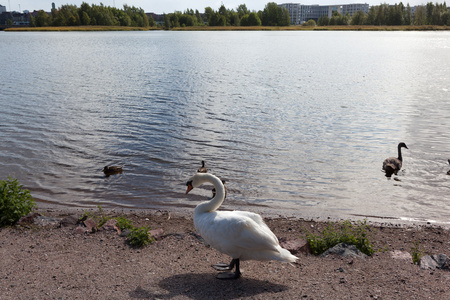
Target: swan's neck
400, 153
216, 201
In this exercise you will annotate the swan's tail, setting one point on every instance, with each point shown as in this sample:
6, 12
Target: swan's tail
286, 256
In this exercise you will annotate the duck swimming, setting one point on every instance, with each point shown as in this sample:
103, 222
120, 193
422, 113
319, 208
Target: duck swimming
111, 170
241, 235
392, 165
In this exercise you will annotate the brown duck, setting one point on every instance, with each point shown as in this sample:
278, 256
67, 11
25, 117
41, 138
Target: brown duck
111, 170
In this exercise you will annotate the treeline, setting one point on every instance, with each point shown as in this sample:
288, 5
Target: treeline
272, 15
393, 15
71, 15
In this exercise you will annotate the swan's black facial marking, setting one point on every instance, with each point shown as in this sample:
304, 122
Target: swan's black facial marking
189, 186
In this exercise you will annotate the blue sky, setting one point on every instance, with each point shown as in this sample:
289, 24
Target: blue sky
168, 6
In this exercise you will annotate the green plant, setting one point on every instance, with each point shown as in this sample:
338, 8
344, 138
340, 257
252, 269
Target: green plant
15, 202
345, 232
124, 223
416, 252
99, 217
140, 237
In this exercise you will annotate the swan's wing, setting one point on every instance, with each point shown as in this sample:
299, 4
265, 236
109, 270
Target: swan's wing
248, 231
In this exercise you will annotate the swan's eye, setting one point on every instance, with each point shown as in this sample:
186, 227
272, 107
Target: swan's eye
189, 183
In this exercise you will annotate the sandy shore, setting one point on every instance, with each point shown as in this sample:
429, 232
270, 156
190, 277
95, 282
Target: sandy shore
56, 263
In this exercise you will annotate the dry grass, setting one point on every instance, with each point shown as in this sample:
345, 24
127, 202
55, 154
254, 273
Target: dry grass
81, 28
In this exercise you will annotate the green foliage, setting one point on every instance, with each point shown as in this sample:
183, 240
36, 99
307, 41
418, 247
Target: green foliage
345, 232
140, 237
416, 252
273, 15
124, 223
15, 202
310, 23
99, 217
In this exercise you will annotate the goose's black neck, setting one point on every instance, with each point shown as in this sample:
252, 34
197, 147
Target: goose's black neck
400, 153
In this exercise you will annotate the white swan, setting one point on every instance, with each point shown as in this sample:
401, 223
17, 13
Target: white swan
240, 234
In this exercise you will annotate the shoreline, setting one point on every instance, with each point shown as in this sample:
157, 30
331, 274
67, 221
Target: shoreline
236, 28
264, 211
51, 262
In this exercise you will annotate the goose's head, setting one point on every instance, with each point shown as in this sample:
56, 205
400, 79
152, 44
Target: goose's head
402, 145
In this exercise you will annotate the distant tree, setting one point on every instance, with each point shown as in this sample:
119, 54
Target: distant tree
250, 19
420, 15
273, 15
42, 19
359, 18
85, 19
323, 21
242, 10
167, 23
407, 15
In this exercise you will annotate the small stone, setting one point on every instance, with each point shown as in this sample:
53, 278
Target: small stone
111, 225
28, 219
404, 255
69, 221
295, 246
431, 262
344, 250
90, 224
157, 233
80, 230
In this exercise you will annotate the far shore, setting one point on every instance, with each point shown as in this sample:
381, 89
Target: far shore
239, 28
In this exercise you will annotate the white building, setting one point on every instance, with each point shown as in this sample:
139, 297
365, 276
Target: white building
2, 9
300, 13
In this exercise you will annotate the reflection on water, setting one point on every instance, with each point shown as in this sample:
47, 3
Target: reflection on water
298, 120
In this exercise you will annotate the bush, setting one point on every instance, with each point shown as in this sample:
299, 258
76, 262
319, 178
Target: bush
124, 223
15, 202
310, 23
140, 237
336, 233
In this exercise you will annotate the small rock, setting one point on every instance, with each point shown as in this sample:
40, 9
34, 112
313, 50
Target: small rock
47, 221
125, 233
440, 261
344, 250
296, 246
80, 230
69, 221
111, 225
90, 224
28, 219
156, 233
404, 255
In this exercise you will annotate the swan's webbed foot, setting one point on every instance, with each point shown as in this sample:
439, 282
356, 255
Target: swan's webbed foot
225, 267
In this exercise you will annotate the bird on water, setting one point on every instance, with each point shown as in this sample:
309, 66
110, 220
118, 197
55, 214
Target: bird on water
392, 165
111, 170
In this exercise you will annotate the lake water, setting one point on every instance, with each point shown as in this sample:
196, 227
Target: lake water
295, 122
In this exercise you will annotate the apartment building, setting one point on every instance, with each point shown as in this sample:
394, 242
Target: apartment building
300, 13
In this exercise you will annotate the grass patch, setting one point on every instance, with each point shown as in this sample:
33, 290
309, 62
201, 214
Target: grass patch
344, 232
140, 237
124, 223
417, 252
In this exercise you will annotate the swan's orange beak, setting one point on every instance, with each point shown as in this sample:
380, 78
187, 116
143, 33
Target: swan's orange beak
189, 187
